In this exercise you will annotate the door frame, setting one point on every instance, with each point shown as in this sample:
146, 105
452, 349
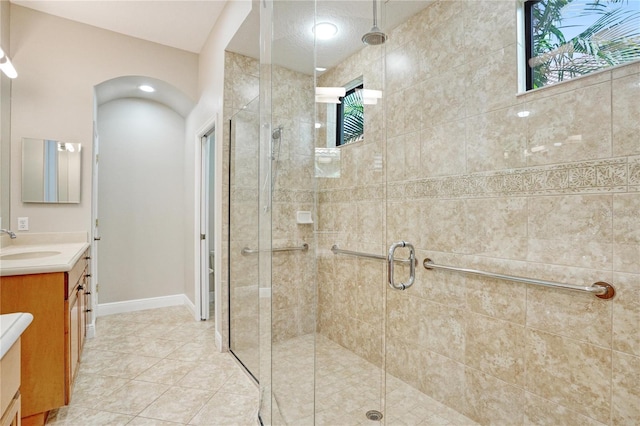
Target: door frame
201, 265
94, 235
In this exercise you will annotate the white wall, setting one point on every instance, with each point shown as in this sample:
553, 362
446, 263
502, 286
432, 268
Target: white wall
208, 111
140, 192
59, 62
5, 118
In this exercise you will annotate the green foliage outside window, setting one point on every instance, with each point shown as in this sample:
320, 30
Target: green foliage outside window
353, 116
570, 38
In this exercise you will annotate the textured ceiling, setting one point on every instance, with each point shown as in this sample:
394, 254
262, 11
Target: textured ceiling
293, 20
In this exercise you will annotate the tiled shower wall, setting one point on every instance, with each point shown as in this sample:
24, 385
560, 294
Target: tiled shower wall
553, 195
293, 282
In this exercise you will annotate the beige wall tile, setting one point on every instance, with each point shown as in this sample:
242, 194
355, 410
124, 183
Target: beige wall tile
539, 411
497, 298
441, 150
625, 115
439, 377
445, 26
496, 348
439, 286
577, 218
492, 81
564, 371
625, 401
583, 129
626, 218
496, 140
443, 97
625, 258
446, 230
492, 401
488, 29
626, 313
497, 227
578, 316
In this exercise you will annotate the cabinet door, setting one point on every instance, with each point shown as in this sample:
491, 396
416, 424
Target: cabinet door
83, 288
74, 329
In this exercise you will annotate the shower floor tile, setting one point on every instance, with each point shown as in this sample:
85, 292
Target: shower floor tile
346, 387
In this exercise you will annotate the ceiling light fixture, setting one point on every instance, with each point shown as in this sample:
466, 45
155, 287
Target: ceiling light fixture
146, 88
325, 30
320, 69
6, 66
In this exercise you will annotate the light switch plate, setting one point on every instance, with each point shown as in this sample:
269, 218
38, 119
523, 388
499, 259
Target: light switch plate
23, 224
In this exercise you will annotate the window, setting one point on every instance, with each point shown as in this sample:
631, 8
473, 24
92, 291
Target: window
570, 38
350, 117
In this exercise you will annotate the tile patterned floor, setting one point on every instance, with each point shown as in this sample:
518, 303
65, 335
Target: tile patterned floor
346, 387
157, 367
160, 367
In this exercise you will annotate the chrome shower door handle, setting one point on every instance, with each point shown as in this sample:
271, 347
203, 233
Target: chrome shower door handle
412, 265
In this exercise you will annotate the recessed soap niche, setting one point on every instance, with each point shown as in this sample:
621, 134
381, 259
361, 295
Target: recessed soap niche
304, 217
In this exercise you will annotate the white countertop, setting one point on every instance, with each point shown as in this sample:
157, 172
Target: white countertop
69, 248
11, 328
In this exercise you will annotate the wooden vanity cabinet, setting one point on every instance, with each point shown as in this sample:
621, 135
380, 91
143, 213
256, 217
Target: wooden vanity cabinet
10, 387
52, 345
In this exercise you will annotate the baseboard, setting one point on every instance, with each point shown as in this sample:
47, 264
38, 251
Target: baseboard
91, 331
104, 309
218, 341
189, 304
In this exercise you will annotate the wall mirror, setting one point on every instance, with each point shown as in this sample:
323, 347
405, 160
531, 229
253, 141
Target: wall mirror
50, 171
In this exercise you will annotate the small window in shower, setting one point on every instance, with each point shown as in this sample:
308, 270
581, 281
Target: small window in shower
570, 38
350, 116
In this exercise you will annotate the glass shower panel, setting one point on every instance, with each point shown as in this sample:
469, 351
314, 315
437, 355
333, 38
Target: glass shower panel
293, 281
244, 295
349, 378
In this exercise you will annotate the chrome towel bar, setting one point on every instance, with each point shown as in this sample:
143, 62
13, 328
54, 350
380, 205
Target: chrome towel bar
600, 289
337, 250
247, 251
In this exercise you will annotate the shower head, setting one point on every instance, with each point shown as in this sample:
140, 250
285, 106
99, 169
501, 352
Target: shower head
375, 36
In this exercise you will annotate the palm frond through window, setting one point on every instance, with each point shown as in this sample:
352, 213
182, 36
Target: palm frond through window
351, 115
570, 38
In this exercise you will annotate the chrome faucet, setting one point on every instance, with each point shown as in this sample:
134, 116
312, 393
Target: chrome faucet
8, 231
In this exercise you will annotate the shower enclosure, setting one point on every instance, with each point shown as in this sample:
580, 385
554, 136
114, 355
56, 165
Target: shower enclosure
331, 306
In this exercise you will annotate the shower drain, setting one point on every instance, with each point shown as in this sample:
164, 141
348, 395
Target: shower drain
374, 415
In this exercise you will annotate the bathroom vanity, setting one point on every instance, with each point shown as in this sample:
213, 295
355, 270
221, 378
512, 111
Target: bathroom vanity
50, 281
11, 328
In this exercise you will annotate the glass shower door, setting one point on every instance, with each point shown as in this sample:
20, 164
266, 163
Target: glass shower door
244, 297
327, 309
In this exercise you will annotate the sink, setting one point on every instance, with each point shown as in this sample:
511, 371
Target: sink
29, 255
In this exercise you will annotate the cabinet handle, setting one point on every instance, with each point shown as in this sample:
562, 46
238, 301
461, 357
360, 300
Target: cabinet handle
87, 292
87, 258
80, 287
87, 310
87, 275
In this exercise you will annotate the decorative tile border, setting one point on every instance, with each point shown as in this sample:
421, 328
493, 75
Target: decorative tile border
611, 175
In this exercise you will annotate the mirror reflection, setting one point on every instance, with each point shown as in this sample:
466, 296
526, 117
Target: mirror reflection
50, 171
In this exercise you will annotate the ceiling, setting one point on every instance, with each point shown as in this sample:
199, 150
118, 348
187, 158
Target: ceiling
186, 24
293, 39
183, 24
